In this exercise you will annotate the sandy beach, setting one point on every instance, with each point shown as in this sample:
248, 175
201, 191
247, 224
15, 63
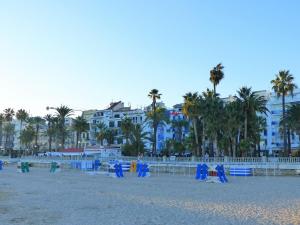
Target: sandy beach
77, 198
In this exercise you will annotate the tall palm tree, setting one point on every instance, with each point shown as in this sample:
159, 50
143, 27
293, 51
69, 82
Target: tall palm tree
27, 136
155, 119
232, 121
283, 84
154, 95
126, 127
50, 129
293, 117
251, 104
22, 116
9, 128
9, 131
192, 110
80, 125
212, 115
37, 122
2, 119
216, 75
63, 112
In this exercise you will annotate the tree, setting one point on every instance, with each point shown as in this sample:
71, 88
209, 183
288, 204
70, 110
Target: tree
154, 95
101, 134
284, 84
251, 104
80, 125
27, 136
110, 135
9, 131
216, 75
192, 110
51, 129
126, 127
293, 118
63, 112
37, 122
177, 126
9, 114
9, 128
2, 119
155, 119
22, 116
212, 117
232, 121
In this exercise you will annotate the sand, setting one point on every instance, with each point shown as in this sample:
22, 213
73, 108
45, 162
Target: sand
75, 197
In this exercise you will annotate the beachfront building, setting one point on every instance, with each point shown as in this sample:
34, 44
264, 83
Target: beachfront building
112, 117
273, 138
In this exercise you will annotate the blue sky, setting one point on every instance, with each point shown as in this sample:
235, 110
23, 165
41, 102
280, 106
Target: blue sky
87, 53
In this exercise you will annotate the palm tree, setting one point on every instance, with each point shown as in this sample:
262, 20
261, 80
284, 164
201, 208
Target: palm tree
80, 125
9, 114
138, 137
192, 110
155, 119
27, 136
126, 127
232, 121
9, 128
178, 125
63, 112
22, 116
293, 117
37, 122
51, 130
212, 117
101, 134
251, 103
110, 135
2, 119
9, 131
284, 84
216, 75
154, 95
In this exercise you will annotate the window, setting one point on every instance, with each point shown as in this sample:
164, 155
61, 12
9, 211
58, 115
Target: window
111, 123
117, 116
119, 123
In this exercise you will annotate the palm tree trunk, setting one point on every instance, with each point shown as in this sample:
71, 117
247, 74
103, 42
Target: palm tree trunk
203, 140
1, 135
284, 124
154, 139
234, 147
289, 140
246, 127
77, 139
196, 136
50, 143
214, 88
20, 134
215, 146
